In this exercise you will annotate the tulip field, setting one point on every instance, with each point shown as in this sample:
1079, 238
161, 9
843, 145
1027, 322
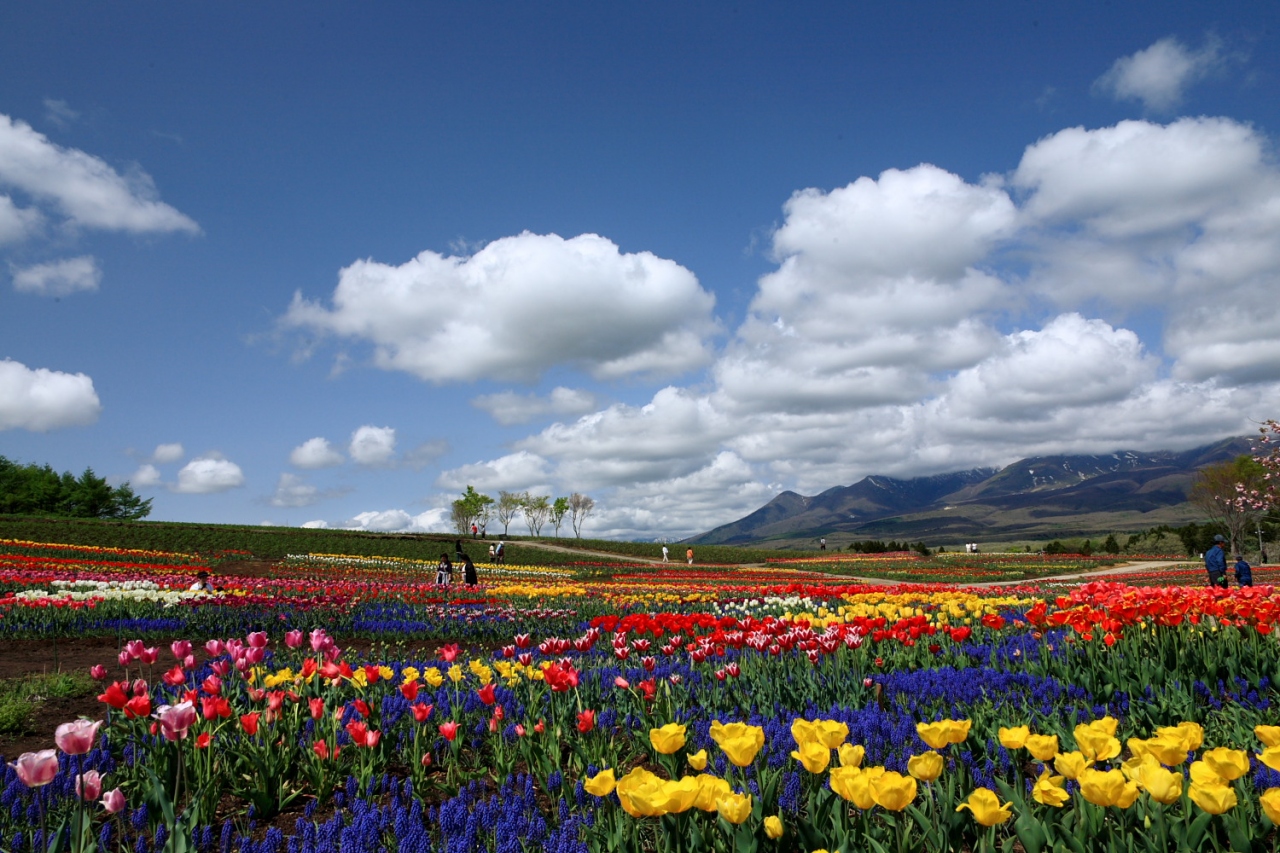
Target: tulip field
329, 702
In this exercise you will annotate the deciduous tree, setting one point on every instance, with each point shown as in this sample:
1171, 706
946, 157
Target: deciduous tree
580, 508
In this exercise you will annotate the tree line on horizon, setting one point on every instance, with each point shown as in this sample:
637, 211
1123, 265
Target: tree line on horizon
39, 490
476, 508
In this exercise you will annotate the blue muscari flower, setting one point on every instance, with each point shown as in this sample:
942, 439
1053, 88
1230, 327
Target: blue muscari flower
162, 835
224, 840
139, 818
16, 842
554, 780
140, 844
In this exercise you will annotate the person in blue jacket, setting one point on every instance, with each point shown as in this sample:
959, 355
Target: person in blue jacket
1215, 562
1244, 573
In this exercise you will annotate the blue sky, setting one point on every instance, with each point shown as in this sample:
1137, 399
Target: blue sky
312, 263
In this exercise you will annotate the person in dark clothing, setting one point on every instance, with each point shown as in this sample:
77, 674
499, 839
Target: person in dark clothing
1244, 573
468, 571
444, 571
1215, 562
500, 554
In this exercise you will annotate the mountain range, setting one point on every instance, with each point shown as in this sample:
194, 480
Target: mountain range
1036, 498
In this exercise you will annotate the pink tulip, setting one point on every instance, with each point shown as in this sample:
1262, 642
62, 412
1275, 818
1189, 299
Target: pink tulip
113, 800
134, 648
180, 648
320, 640
222, 667
293, 639
36, 768
332, 653
98, 672
124, 658
140, 687
255, 655
149, 655
76, 738
189, 662
257, 639
235, 648
89, 785
175, 720
213, 647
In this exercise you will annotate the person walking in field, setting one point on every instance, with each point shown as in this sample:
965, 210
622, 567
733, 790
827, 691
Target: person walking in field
444, 570
469, 572
1244, 572
1215, 562
664, 554
689, 556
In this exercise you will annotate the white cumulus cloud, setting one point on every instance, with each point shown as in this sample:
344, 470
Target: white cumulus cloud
166, 453
295, 491
81, 187
1159, 75
518, 307
58, 278
40, 400
315, 453
17, 223
372, 446
513, 472
147, 475
395, 521
208, 474
508, 407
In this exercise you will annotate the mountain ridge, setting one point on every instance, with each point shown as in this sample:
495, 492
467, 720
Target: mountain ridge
1062, 495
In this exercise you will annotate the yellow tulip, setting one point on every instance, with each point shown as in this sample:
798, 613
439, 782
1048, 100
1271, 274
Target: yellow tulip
986, 807
1215, 799
1270, 800
841, 780
679, 797
1203, 774
668, 739
1163, 785
601, 784
1042, 747
1269, 735
851, 756
813, 755
1014, 737
410, 674
698, 760
860, 793
640, 793
710, 789
1095, 744
1107, 788
734, 808
893, 791
926, 767
1192, 734
1169, 748
1070, 764
1050, 790
773, 826
1230, 764
1106, 725
433, 676
831, 733
1270, 757
456, 674
739, 741
803, 731
943, 732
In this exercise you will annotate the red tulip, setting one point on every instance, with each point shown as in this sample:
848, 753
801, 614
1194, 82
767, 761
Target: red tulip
486, 694
586, 721
359, 732
114, 696
249, 722
321, 749
174, 677
410, 690
317, 707
371, 739
450, 652
362, 708
449, 730
203, 741
138, 706
421, 712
